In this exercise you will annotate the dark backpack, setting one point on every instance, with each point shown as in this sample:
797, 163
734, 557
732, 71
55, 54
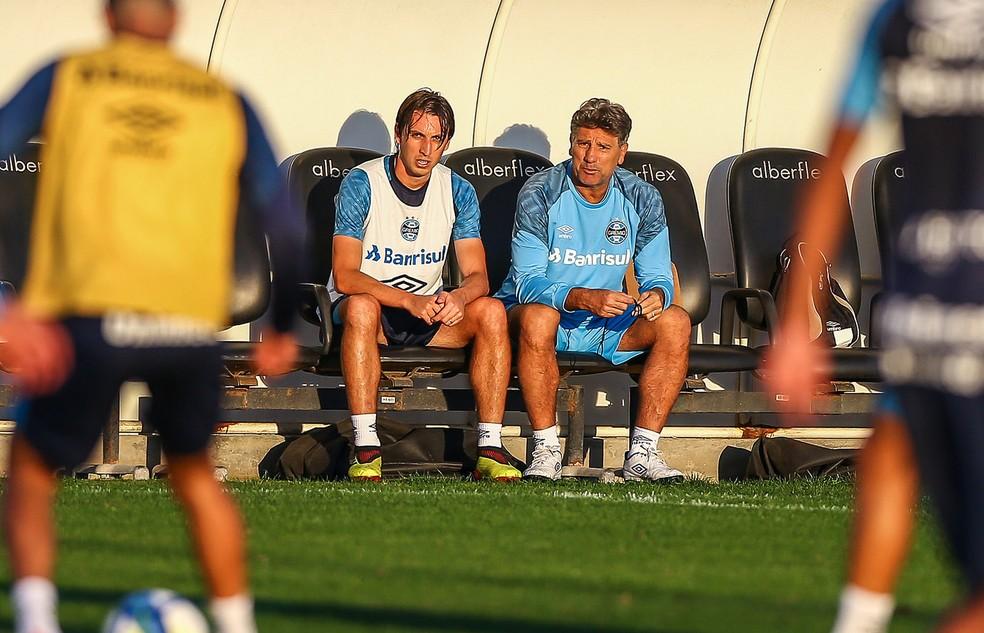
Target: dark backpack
832, 317
325, 452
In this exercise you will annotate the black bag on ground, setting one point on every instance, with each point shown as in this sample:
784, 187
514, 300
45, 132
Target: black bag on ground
783, 457
832, 317
325, 453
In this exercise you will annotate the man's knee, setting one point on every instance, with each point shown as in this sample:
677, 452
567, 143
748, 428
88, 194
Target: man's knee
675, 323
490, 316
538, 326
362, 311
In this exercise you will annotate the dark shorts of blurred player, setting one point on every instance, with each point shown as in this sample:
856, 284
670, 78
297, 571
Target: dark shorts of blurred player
180, 362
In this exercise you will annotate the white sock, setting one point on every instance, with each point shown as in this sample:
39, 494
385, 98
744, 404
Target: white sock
489, 435
233, 614
863, 611
364, 425
644, 436
35, 605
547, 437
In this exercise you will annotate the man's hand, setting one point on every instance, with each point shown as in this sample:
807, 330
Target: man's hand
38, 352
650, 305
275, 354
424, 307
604, 303
792, 369
452, 309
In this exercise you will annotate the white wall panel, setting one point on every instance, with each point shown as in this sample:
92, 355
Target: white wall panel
313, 66
36, 31
680, 68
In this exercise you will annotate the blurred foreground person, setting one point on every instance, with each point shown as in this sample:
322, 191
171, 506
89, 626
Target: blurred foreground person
129, 272
928, 56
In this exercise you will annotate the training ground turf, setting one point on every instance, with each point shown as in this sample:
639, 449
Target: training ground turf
441, 556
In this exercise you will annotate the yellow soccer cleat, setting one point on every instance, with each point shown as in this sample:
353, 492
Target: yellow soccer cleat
493, 464
367, 465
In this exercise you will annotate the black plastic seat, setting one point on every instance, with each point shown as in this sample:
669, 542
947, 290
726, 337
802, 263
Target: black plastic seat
313, 179
18, 184
764, 189
888, 190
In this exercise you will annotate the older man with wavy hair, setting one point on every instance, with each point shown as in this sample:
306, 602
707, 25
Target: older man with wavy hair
578, 227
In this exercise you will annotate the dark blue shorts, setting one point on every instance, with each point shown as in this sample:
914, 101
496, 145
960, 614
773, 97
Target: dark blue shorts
401, 328
183, 380
948, 438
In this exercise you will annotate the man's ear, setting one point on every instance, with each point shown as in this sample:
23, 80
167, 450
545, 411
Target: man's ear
623, 150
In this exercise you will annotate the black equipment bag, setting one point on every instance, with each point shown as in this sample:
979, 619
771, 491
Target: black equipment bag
325, 452
832, 317
783, 457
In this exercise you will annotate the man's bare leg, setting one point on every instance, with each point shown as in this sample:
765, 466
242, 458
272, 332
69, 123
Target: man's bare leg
362, 334
668, 341
967, 619
484, 325
534, 327
30, 532
887, 489
217, 532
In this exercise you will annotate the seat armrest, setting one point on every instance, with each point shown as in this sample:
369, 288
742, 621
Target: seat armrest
7, 290
729, 305
315, 308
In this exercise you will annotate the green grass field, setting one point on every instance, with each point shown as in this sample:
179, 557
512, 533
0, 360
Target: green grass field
442, 556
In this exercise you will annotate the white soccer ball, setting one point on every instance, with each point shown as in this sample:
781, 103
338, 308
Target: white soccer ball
155, 611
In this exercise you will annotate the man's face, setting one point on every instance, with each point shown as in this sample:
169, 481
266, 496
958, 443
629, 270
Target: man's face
423, 145
595, 153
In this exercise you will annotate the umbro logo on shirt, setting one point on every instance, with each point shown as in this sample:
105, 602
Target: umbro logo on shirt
566, 232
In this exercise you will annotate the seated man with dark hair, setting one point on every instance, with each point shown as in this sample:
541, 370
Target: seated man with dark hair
395, 218
578, 226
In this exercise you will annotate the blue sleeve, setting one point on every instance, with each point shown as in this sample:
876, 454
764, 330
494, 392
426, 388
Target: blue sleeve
467, 215
862, 91
352, 205
530, 252
264, 192
653, 268
21, 118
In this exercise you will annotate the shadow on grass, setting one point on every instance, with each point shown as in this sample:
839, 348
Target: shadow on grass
378, 616
394, 618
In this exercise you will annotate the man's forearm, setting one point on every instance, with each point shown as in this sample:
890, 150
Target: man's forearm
576, 299
472, 287
360, 283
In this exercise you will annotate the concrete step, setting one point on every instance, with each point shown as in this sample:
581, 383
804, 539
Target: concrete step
707, 452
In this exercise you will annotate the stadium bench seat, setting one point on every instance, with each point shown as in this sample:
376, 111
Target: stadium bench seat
763, 189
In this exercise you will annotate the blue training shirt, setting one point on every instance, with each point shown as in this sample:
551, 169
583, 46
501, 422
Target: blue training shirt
561, 241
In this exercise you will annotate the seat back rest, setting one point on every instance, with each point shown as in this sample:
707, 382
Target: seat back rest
497, 173
888, 195
18, 185
764, 188
313, 179
250, 293
687, 247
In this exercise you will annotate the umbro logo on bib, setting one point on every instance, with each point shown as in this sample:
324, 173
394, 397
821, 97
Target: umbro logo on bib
410, 229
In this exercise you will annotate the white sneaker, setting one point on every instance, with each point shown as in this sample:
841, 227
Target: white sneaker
545, 464
643, 463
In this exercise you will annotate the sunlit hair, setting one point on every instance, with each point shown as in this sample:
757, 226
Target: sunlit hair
602, 113
425, 101
116, 5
